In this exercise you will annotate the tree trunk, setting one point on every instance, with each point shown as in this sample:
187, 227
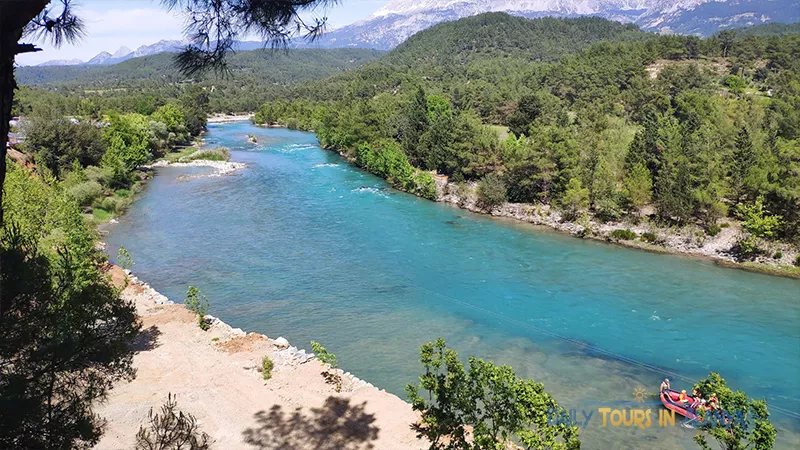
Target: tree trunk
14, 17
7, 86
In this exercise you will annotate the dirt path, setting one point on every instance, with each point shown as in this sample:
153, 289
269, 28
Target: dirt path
219, 383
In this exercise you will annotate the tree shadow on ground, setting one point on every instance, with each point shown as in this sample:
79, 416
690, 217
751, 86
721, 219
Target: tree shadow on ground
336, 425
147, 339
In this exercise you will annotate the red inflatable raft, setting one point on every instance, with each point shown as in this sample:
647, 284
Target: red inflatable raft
670, 399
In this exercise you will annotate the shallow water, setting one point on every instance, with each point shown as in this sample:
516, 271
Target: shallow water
303, 245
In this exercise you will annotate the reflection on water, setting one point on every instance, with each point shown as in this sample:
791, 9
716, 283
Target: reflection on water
303, 245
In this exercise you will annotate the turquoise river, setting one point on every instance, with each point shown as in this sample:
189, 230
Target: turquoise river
303, 245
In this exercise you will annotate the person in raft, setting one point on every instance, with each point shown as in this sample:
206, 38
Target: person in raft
699, 401
713, 402
684, 399
665, 384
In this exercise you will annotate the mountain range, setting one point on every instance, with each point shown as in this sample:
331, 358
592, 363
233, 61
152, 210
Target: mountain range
399, 19
122, 54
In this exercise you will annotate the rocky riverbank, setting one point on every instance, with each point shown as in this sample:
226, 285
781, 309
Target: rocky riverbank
220, 167
216, 376
687, 240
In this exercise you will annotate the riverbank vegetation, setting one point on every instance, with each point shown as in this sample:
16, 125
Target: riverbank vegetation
674, 130
96, 158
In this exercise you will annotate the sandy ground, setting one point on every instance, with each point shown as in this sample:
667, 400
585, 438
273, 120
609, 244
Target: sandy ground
219, 382
223, 118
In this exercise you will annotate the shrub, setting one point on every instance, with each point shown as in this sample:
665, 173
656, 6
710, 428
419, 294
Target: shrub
170, 430
777, 255
101, 175
757, 221
123, 193
208, 154
266, 367
714, 229
424, 186
291, 123
748, 246
330, 375
124, 258
492, 191
198, 304
101, 215
623, 235
85, 193
649, 237
797, 261
114, 204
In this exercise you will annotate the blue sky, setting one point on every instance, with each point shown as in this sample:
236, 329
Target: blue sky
110, 24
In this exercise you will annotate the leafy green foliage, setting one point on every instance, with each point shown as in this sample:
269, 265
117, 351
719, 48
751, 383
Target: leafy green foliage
171, 430
266, 367
64, 330
329, 359
748, 426
756, 221
575, 198
128, 139
197, 303
124, 258
498, 406
58, 142
623, 235
492, 191
208, 154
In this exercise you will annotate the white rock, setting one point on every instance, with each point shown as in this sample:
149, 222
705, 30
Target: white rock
281, 342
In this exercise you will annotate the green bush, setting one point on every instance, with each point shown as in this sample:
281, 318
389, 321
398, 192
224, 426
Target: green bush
124, 258
322, 354
100, 175
492, 191
291, 124
114, 204
197, 303
748, 246
777, 255
208, 154
424, 186
266, 367
623, 235
649, 237
714, 229
797, 261
124, 193
86, 193
101, 215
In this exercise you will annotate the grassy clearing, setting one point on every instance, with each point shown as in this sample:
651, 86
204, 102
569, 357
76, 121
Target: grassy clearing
208, 154
177, 155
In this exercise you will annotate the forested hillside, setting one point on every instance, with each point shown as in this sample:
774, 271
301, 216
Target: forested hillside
695, 129
254, 77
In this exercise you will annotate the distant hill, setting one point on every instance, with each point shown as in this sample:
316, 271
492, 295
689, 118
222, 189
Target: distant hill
275, 66
255, 76
479, 54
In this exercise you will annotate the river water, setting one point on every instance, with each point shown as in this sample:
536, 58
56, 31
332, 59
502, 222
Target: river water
303, 245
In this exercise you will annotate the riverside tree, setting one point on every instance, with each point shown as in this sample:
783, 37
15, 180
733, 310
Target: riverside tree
65, 332
491, 401
743, 422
